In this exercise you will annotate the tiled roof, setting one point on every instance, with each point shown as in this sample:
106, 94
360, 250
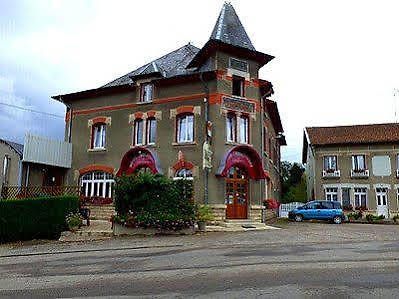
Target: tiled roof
18, 148
357, 134
170, 65
228, 29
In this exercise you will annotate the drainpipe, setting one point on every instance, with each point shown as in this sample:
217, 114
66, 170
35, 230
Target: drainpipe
206, 115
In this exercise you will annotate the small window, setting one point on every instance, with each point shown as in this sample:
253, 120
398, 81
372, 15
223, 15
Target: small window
244, 129
231, 125
183, 174
98, 141
330, 163
185, 128
326, 205
359, 162
238, 64
147, 92
238, 86
138, 132
151, 130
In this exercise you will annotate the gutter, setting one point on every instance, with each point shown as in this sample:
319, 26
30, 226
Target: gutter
206, 115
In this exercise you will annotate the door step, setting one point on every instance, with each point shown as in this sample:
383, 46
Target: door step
243, 223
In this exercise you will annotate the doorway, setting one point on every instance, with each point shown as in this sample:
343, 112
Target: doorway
237, 194
382, 201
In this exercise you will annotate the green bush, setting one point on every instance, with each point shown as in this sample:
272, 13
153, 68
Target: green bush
148, 200
26, 219
371, 218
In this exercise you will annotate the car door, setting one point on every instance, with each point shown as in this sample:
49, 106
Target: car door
311, 211
327, 210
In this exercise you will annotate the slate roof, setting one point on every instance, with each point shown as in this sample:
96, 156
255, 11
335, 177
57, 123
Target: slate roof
18, 148
357, 134
170, 65
228, 29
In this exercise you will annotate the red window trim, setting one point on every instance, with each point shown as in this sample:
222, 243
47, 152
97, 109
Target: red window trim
96, 167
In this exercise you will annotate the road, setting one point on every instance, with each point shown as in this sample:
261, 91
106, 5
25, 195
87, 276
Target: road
300, 260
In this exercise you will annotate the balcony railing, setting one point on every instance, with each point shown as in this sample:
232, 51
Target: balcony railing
361, 174
331, 174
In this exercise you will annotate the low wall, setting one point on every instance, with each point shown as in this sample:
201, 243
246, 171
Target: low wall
121, 230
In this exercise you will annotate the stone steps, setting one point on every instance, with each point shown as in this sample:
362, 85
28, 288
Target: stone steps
243, 223
98, 230
101, 212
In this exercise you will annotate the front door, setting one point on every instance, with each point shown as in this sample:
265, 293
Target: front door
236, 194
382, 201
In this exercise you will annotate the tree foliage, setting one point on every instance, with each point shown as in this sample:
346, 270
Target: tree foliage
293, 182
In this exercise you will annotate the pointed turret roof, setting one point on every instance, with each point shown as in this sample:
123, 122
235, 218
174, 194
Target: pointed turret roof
228, 29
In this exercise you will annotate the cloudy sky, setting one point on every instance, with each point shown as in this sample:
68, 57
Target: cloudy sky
337, 62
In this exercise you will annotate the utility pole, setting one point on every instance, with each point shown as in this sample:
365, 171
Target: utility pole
395, 94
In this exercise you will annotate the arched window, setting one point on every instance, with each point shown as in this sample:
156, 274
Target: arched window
97, 184
138, 132
98, 136
183, 174
185, 128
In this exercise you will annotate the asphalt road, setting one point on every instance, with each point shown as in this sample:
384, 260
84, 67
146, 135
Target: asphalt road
300, 260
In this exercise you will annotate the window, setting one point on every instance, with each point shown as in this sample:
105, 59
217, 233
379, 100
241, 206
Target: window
359, 163
6, 166
185, 128
138, 132
330, 163
331, 194
238, 64
360, 198
231, 125
327, 205
238, 86
98, 140
237, 134
151, 130
146, 92
183, 174
97, 184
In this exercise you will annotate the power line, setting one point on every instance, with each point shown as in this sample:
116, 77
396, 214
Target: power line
32, 110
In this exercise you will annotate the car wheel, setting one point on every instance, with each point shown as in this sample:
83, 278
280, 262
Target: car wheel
337, 220
298, 218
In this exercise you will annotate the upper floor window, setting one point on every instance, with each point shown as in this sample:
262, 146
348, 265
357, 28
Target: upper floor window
146, 92
359, 162
238, 64
238, 86
330, 163
151, 130
99, 133
237, 128
138, 132
185, 128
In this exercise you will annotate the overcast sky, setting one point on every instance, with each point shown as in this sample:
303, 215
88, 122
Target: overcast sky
336, 61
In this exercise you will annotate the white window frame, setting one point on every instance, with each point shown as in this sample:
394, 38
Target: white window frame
148, 127
146, 96
184, 177
231, 128
184, 120
106, 179
330, 159
136, 131
355, 162
99, 129
359, 192
243, 130
6, 168
330, 192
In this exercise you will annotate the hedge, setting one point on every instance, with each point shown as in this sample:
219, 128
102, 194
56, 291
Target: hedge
36, 218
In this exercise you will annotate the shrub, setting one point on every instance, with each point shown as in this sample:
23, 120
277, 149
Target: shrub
272, 203
148, 200
204, 213
396, 218
26, 219
73, 220
371, 218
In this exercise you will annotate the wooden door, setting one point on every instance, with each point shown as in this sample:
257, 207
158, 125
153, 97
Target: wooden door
236, 194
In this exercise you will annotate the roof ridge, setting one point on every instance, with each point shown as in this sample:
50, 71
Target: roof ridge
350, 126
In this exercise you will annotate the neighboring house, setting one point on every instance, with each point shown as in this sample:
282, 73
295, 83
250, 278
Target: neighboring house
39, 162
202, 114
356, 165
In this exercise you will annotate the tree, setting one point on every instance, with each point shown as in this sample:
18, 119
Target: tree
293, 182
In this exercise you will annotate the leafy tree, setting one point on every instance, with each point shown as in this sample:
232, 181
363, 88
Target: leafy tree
293, 182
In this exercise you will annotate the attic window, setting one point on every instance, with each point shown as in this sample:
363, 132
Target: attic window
146, 92
239, 65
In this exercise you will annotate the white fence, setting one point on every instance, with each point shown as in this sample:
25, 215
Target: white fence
285, 208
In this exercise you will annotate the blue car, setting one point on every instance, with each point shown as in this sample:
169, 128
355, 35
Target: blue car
318, 210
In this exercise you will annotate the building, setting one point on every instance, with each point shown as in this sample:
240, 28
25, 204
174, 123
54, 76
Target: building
39, 162
356, 165
201, 114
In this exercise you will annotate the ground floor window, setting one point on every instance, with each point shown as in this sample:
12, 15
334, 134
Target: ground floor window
360, 198
97, 184
331, 194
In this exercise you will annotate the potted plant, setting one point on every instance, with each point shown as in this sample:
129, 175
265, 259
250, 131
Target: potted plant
203, 214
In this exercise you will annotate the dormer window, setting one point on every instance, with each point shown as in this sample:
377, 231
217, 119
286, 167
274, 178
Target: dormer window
146, 92
238, 86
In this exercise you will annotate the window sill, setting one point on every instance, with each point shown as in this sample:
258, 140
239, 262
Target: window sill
184, 143
237, 143
94, 150
153, 145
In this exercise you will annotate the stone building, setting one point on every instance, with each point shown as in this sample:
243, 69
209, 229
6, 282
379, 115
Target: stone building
196, 113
